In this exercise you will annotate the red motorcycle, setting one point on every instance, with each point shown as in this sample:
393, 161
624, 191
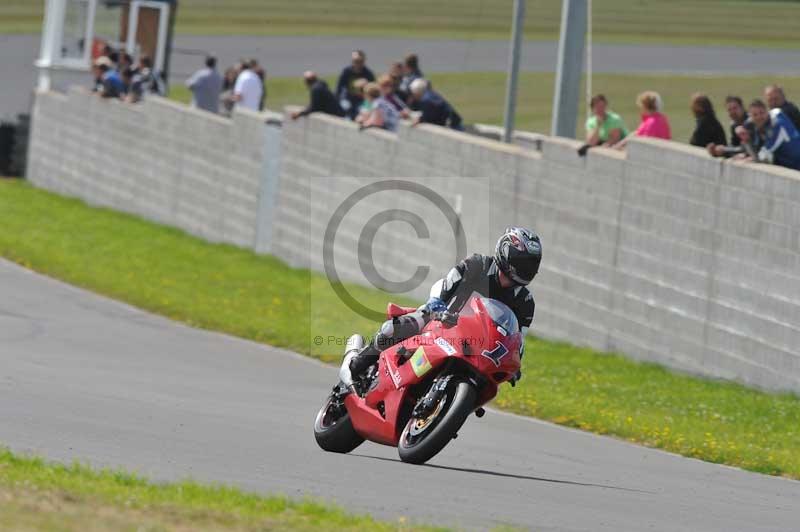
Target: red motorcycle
422, 390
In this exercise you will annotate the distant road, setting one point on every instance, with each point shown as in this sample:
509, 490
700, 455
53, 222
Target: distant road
290, 56
86, 378
287, 56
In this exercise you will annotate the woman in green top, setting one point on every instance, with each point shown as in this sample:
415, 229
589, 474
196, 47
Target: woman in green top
604, 127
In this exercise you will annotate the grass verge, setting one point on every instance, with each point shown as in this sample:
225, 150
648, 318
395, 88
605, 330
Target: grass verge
258, 297
699, 22
41, 496
476, 95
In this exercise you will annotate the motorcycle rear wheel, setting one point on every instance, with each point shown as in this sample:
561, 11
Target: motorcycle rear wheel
422, 439
333, 429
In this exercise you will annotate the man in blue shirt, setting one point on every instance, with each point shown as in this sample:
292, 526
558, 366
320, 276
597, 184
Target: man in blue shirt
779, 138
110, 83
206, 85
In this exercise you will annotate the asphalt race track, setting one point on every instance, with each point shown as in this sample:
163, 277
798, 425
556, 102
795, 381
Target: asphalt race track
83, 377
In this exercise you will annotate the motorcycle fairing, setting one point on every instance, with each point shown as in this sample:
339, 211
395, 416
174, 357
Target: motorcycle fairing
394, 311
376, 415
395, 379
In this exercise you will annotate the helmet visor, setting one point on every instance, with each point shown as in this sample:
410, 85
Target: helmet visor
523, 267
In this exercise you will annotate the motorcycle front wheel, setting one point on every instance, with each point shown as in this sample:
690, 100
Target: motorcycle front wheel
422, 439
333, 429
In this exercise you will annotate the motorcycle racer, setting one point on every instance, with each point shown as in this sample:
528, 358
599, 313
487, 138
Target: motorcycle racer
503, 277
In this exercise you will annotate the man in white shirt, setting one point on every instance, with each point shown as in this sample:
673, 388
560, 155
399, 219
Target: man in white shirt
248, 89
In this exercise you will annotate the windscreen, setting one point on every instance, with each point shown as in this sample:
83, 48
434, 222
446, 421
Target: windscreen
499, 312
501, 315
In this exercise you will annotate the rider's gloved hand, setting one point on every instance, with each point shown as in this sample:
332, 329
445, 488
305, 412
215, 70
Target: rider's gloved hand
434, 304
516, 378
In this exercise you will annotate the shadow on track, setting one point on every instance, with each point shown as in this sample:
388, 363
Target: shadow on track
506, 475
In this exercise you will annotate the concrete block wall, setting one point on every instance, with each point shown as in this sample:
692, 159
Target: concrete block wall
320, 171
161, 160
660, 253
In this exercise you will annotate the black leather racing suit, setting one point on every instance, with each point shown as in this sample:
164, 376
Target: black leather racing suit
478, 273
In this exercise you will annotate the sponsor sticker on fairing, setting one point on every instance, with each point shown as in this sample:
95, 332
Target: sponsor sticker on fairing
445, 346
420, 363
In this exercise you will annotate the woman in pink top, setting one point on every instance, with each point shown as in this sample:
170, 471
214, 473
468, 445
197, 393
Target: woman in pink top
654, 123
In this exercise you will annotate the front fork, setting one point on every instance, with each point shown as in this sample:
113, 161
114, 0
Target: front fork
428, 402
426, 405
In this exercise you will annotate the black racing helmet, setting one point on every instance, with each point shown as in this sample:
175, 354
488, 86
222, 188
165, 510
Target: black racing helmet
518, 254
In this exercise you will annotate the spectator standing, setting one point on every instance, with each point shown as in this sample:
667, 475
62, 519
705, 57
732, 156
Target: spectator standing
348, 96
97, 75
206, 86
358, 97
738, 116
371, 94
396, 73
411, 72
111, 85
133, 85
708, 130
384, 114
388, 88
248, 89
262, 75
654, 123
604, 127
749, 142
125, 62
322, 99
433, 107
776, 99
778, 138
112, 54
365, 106
228, 83
152, 80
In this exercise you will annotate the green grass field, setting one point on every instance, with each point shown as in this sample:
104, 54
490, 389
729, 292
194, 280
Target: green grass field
730, 22
232, 290
41, 496
478, 96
